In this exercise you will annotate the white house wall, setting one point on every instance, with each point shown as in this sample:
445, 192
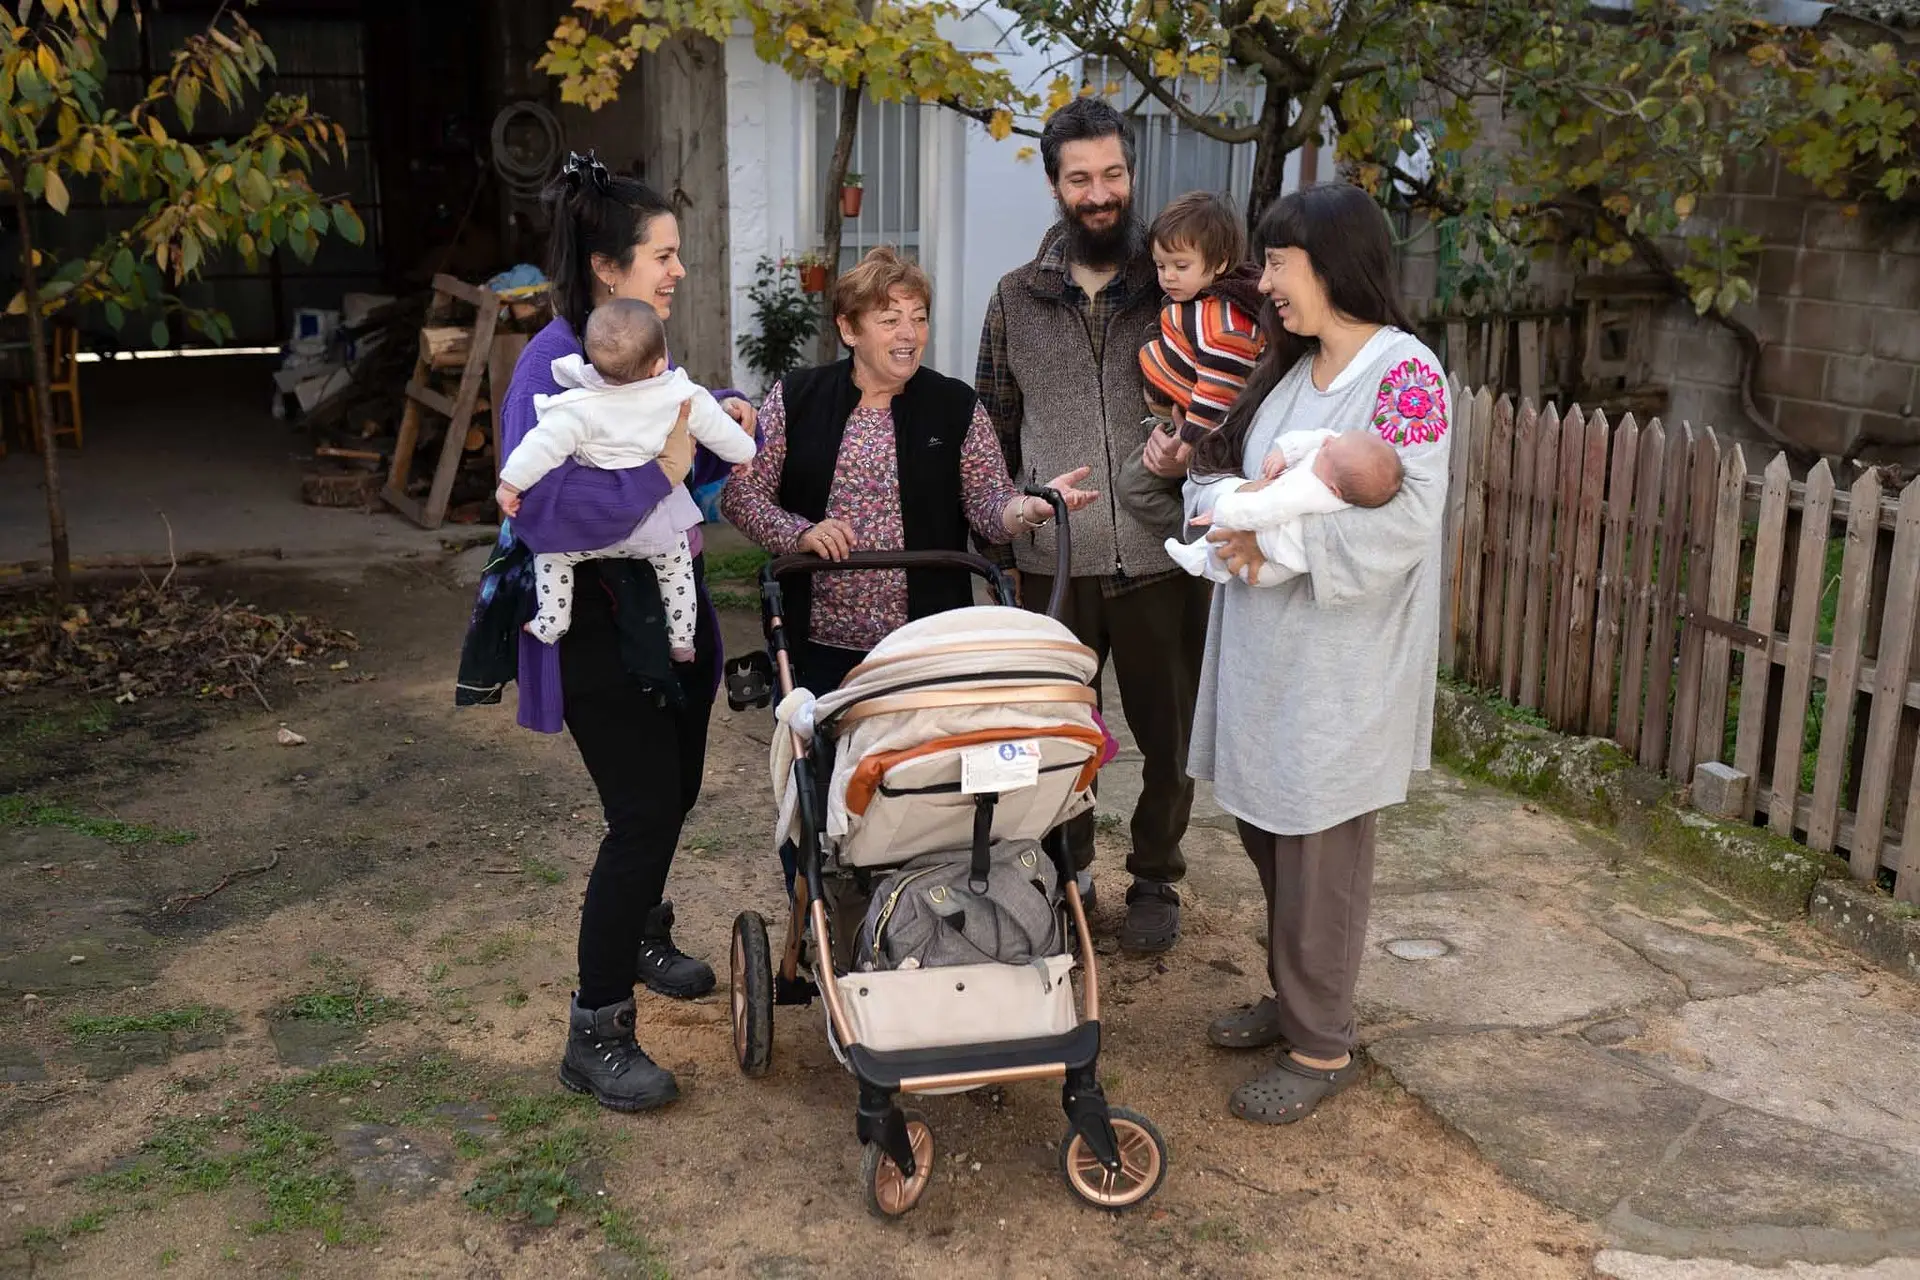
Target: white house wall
983, 211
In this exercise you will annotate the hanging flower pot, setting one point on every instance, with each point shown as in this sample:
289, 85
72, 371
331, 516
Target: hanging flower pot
850, 196
813, 276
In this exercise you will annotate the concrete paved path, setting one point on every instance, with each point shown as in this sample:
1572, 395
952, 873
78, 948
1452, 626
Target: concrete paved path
1722, 1095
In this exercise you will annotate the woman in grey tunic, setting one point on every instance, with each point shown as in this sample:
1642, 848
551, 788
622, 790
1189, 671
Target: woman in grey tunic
1316, 698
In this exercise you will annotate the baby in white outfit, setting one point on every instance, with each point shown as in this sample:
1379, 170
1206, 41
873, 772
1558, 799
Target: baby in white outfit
1307, 473
618, 412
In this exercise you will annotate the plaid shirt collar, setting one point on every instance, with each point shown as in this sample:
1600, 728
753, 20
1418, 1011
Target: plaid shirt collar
1052, 277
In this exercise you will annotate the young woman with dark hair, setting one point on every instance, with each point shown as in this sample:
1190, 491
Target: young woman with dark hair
1316, 699
638, 718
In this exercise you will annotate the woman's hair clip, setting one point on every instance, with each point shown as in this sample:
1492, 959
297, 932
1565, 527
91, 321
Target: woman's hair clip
587, 166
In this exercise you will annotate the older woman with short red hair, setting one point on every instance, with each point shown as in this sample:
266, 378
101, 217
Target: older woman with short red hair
876, 453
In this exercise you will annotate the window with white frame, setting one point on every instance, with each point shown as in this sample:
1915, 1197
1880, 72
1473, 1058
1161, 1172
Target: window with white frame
1171, 156
886, 155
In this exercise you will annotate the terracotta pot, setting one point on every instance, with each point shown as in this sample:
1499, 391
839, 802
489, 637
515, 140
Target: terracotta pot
850, 198
813, 279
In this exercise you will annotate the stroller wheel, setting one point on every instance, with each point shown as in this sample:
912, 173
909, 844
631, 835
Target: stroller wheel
1143, 1163
891, 1193
752, 984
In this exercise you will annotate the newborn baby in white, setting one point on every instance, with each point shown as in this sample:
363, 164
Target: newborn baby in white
1307, 473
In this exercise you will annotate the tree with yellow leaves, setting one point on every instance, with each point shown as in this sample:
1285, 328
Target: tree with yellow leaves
57, 132
888, 50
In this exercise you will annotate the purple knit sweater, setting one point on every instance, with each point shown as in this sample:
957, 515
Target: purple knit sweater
576, 508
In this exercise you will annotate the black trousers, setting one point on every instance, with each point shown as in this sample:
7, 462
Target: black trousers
821, 668
646, 760
1156, 636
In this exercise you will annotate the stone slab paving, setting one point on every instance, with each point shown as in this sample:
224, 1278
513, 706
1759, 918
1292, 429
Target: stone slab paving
1726, 1096
1701, 1083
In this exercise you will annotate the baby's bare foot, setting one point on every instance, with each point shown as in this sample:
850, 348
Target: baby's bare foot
681, 655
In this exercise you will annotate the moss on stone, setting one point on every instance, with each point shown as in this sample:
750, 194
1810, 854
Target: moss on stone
1764, 869
1592, 779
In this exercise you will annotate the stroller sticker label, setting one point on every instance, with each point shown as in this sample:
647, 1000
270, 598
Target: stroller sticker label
1000, 766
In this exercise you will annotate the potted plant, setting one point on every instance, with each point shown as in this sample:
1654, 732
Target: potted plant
785, 319
812, 266
850, 196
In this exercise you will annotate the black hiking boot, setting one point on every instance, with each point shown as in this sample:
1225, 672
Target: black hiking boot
664, 967
604, 1060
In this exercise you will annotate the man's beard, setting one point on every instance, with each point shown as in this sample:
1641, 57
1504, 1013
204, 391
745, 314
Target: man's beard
1113, 247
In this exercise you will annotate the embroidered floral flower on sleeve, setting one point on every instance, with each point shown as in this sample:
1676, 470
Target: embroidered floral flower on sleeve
1412, 405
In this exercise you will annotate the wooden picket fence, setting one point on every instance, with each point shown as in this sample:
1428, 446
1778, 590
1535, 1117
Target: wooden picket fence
1637, 583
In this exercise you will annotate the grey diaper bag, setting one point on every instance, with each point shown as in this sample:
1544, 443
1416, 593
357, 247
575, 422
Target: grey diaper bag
931, 912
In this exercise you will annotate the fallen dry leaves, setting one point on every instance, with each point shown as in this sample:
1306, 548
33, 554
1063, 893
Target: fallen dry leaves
150, 640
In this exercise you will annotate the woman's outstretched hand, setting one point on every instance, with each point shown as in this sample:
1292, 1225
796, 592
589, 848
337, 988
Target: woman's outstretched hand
1026, 512
1067, 485
1239, 553
830, 540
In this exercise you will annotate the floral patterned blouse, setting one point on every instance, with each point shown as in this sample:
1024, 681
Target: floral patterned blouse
857, 610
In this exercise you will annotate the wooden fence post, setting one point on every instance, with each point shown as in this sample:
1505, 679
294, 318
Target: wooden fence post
1756, 666
1889, 695
1723, 597
1613, 588
1646, 521
1546, 472
1843, 663
1529, 338
1460, 427
1566, 526
1702, 510
1499, 494
1473, 534
1666, 601
1586, 560
1526, 432
1816, 518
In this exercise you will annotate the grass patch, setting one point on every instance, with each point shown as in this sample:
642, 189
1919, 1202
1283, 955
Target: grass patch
736, 566
536, 1182
31, 811
271, 1141
346, 1000
91, 1030
623, 1235
544, 872
81, 1224
734, 598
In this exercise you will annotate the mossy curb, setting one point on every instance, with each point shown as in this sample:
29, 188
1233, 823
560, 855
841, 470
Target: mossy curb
1885, 931
1594, 780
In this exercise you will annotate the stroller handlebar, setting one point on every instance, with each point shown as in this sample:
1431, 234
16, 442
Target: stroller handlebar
1062, 545
858, 561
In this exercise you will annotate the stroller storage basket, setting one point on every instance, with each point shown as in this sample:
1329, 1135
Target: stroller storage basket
959, 1004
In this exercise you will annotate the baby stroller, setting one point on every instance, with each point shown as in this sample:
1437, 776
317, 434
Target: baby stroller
931, 786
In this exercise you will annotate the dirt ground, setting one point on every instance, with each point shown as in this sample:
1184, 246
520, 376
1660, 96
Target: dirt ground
343, 1065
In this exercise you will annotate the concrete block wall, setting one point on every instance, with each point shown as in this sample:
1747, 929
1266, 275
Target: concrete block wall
1837, 311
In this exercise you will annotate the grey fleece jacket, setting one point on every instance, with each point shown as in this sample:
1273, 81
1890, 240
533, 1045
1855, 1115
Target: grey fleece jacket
1316, 697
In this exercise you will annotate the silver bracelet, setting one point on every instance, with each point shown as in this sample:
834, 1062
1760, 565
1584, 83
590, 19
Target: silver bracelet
1022, 515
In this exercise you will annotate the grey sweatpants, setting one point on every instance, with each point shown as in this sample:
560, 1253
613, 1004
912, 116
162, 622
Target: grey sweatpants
1319, 888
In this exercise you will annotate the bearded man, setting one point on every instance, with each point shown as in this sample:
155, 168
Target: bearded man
1060, 376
